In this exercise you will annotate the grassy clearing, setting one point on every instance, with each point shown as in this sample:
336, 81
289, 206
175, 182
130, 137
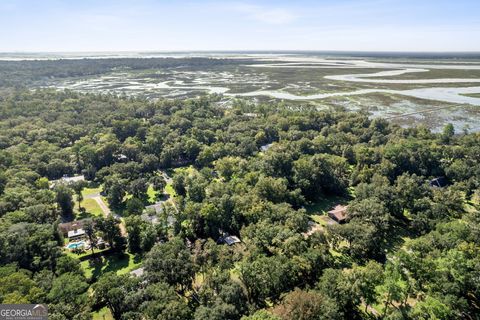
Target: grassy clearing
320, 219
112, 263
84, 254
92, 207
90, 191
102, 314
151, 194
170, 191
190, 169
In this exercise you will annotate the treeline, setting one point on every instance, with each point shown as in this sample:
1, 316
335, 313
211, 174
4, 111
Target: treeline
24, 73
408, 250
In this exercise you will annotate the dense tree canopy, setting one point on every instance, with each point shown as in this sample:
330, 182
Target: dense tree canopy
408, 250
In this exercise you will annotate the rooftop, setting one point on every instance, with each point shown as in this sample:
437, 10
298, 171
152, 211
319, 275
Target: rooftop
67, 180
157, 207
76, 233
339, 213
438, 182
266, 147
72, 225
137, 272
229, 240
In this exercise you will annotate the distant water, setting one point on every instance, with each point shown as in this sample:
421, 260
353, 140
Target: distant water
18, 56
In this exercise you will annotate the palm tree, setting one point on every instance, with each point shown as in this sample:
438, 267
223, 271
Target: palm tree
90, 232
78, 187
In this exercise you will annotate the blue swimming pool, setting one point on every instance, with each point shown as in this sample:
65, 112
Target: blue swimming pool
75, 245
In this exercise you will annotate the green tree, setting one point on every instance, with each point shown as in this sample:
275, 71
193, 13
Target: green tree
138, 188
114, 291
163, 303
447, 133
431, 309
68, 297
170, 262
110, 232
90, 231
77, 189
307, 305
261, 315
135, 226
134, 206
267, 277
158, 183
179, 183
18, 285
66, 264
115, 190
64, 200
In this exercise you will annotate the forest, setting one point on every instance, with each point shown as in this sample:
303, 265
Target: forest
167, 183
27, 72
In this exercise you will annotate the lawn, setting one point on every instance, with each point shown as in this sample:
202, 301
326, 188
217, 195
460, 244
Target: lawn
111, 263
320, 219
85, 253
170, 191
190, 169
89, 191
92, 209
151, 194
102, 314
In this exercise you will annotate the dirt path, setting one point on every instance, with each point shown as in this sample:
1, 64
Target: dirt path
123, 229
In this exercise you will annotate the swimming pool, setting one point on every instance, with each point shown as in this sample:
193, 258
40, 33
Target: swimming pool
75, 245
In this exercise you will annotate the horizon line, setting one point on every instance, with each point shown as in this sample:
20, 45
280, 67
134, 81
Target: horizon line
239, 51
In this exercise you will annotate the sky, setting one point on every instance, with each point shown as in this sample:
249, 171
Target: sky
177, 25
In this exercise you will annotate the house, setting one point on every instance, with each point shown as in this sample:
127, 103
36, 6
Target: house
438, 182
65, 227
66, 180
151, 218
157, 207
265, 147
138, 272
76, 234
121, 157
338, 214
229, 240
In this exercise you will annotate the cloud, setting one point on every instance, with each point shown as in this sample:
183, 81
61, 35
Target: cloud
266, 15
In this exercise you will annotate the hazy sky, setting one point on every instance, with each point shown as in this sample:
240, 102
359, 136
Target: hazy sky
130, 25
